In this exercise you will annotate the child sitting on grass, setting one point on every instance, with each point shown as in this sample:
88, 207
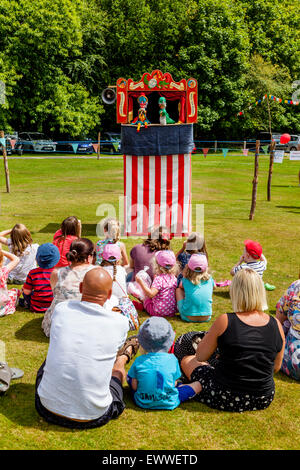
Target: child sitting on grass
8, 298
194, 295
195, 243
252, 257
19, 242
153, 376
69, 231
161, 300
37, 291
119, 299
112, 233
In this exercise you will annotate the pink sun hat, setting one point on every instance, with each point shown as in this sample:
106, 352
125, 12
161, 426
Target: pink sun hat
166, 258
198, 263
111, 252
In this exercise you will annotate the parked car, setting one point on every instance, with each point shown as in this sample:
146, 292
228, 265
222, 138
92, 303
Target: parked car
34, 142
7, 146
82, 147
291, 145
111, 142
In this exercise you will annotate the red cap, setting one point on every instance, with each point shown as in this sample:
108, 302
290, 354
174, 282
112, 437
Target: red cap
254, 249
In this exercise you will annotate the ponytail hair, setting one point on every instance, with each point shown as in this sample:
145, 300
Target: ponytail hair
80, 250
112, 227
113, 264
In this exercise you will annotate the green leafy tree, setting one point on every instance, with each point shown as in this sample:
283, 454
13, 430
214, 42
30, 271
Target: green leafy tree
40, 40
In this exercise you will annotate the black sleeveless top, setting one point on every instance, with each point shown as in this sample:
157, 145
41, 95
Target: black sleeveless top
247, 355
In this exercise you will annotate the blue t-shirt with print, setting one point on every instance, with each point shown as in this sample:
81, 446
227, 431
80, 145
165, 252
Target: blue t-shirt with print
156, 374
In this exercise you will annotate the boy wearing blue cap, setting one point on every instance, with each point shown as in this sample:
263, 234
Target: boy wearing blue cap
152, 377
37, 291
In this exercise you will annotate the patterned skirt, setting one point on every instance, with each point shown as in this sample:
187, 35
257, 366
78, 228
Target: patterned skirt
291, 358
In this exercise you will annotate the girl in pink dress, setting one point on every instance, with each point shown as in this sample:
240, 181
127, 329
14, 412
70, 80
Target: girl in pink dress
161, 298
8, 298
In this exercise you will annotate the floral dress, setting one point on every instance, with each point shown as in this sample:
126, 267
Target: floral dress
66, 288
8, 298
289, 305
100, 247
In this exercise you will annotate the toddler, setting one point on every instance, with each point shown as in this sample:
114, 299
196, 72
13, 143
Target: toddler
69, 231
194, 295
195, 243
112, 236
119, 299
19, 242
252, 257
161, 300
153, 376
8, 298
37, 292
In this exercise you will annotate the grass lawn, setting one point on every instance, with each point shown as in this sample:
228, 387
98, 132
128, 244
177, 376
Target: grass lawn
44, 192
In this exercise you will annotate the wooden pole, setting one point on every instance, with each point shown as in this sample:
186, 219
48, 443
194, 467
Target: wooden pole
6, 170
98, 149
255, 181
272, 149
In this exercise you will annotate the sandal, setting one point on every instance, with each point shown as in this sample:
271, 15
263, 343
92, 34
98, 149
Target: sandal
134, 343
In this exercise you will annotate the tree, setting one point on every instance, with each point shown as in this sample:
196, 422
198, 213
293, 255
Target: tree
40, 39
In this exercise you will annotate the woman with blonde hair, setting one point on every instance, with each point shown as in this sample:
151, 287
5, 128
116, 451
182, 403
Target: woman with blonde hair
19, 242
250, 346
194, 294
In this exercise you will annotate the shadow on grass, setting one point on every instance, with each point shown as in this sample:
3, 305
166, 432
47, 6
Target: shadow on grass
224, 294
32, 331
86, 231
191, 405
19, 407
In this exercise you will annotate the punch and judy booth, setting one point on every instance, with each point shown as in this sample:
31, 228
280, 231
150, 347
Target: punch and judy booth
156, 116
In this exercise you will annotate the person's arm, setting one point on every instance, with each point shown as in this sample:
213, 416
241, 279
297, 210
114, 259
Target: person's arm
182, 249
27, 287
124, 255
14, 260
283, 306
209, 343
149, 291
3, 236
241, 260
134, 384
54, 278
279, 357
264, 259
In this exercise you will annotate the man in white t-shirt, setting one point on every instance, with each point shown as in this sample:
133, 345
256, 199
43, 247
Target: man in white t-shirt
80, 383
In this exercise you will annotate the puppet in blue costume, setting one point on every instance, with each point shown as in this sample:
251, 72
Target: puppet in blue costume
164, 117
141, 119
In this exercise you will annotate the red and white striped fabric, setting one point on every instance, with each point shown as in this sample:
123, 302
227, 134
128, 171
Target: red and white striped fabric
157, 191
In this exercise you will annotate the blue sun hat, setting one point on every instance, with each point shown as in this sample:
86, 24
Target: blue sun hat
156, 335
47, 256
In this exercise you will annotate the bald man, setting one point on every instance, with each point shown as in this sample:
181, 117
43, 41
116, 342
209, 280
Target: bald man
80, 383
